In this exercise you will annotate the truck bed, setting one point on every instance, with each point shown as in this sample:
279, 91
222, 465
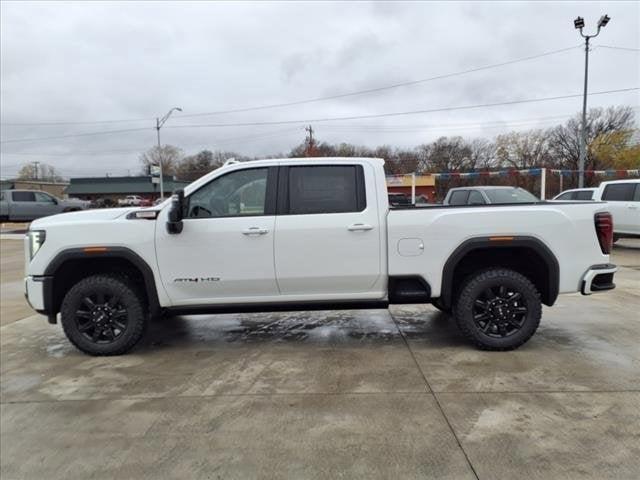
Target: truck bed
566, 229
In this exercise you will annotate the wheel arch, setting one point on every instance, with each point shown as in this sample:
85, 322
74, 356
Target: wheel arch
71, 265
538, 263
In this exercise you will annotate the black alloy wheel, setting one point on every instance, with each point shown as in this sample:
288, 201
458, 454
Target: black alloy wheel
104, 314
499, 311
101, 317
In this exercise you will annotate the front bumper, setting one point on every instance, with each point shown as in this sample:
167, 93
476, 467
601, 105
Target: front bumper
598, 278
39, 295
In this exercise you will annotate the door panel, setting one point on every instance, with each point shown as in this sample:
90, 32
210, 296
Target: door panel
321, 247
625, 211
224, 253
46, 204
24, 206
214, 260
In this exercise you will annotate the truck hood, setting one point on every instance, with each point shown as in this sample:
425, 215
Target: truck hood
85, 216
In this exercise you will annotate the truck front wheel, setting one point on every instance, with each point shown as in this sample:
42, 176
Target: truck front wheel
498, 309
103, 315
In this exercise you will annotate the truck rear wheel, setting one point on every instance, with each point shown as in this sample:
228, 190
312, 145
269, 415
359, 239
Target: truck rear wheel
498, 309
103, 315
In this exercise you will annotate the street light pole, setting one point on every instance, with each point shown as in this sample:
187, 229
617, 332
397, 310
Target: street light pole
578, 23
159, 123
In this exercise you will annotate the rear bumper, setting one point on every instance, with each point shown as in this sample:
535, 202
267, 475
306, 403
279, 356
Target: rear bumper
598, 278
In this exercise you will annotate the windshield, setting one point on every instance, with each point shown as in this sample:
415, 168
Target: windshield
510, 195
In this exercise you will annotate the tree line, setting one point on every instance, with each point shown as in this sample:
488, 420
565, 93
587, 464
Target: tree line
612, 143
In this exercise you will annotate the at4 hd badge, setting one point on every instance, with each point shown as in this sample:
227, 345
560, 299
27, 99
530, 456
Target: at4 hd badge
196, 279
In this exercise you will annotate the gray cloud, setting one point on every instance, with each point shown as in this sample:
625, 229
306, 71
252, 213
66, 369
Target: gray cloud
94, 61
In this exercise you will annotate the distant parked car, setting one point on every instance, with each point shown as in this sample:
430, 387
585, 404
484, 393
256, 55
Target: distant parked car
488, 195
397, 199
27, 205
103, 203
623, 198
576, 194
130, 201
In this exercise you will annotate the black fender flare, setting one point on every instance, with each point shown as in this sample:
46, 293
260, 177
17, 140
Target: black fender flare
497, 242
89, 253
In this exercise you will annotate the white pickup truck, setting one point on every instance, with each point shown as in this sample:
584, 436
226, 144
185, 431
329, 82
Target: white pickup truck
130, 201
304, 234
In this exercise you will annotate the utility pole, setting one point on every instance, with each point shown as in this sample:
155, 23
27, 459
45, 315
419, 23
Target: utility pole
310, 141
35, 166
578, 23
159, 123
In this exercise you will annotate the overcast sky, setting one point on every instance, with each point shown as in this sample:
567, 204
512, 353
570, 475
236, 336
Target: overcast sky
93, 61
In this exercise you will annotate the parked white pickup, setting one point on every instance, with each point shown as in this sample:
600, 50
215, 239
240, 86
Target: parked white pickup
130, 201
317, 233
623, 201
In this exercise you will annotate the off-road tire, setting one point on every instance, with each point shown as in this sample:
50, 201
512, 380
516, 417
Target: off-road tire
474, 290
128, 298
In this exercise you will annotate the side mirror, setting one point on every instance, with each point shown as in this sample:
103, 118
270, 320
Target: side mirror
174, 224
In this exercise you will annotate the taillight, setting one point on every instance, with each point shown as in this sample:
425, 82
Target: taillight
604, 230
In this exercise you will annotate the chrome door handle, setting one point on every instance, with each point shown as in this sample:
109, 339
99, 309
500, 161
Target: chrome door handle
359, 227
255, 231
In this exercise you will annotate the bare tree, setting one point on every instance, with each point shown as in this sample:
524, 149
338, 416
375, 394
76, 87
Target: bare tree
483, 154
42, 171
522, 149
564, 140
167, 154
193, 167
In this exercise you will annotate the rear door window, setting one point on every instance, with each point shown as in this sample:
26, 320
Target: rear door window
636, 196
619, 192
326, 189
459, 197
23, 196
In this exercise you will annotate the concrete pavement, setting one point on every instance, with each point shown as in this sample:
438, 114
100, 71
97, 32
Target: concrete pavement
360, 394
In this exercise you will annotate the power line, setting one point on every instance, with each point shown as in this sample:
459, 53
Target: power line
331, 119
86, 134
612, 47
393, 114
62, 123
312, 100
379, 89
515, 122
226, 141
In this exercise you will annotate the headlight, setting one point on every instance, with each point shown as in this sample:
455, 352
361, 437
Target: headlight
36, 239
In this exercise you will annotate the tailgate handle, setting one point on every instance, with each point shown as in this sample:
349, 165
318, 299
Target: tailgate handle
359, 227
255, 231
